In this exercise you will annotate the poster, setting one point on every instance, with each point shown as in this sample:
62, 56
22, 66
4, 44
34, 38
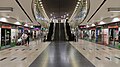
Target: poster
105, 36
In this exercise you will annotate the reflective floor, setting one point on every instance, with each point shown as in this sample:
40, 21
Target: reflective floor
61, 54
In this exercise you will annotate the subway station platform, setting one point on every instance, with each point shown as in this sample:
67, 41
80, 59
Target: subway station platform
60, 54
60, 33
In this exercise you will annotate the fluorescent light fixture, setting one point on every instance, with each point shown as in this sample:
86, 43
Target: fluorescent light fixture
87, 26
101, 23
6, 9
31, 26
17, 23
3, 19
79, 0
116, 9
26, 25
115, 20
93, 24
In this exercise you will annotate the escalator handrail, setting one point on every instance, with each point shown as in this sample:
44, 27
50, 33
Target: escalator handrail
65, 31
53, 31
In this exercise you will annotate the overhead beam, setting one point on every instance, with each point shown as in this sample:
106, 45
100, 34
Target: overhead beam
19, 4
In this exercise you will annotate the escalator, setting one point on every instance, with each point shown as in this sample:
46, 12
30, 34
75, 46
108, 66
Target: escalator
62, 32
56, 33
59, 34
50, 33
69, 34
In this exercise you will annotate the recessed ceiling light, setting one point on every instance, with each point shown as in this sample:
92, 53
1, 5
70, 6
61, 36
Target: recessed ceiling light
51, 14
78, 2
40, 2
67, 14
77, 5
41, 5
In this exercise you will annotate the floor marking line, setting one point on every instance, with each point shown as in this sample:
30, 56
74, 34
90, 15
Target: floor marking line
16, 49
83, 48
117, 57
98, 58
23, 49
107, 58
23, 58
3, 58
13, 59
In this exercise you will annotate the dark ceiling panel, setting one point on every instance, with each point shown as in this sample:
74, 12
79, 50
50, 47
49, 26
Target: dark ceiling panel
59, 7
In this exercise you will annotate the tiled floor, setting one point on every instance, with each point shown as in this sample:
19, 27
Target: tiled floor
99, 55
61, 54
21, 56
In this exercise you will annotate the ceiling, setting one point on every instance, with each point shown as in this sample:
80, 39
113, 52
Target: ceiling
18, 14
59, 8
97, 14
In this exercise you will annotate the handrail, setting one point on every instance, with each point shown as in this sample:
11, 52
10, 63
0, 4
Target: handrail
65, 31
53, 32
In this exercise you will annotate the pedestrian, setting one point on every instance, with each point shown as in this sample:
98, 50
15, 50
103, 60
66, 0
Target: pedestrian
27, 39
24, 38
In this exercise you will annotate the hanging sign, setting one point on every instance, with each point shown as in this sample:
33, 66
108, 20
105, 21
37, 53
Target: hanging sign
112, 26
6, 26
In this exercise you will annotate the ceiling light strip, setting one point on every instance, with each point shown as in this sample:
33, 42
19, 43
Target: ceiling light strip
74, 11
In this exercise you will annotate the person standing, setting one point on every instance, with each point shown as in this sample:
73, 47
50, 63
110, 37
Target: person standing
28, 39
24, 37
